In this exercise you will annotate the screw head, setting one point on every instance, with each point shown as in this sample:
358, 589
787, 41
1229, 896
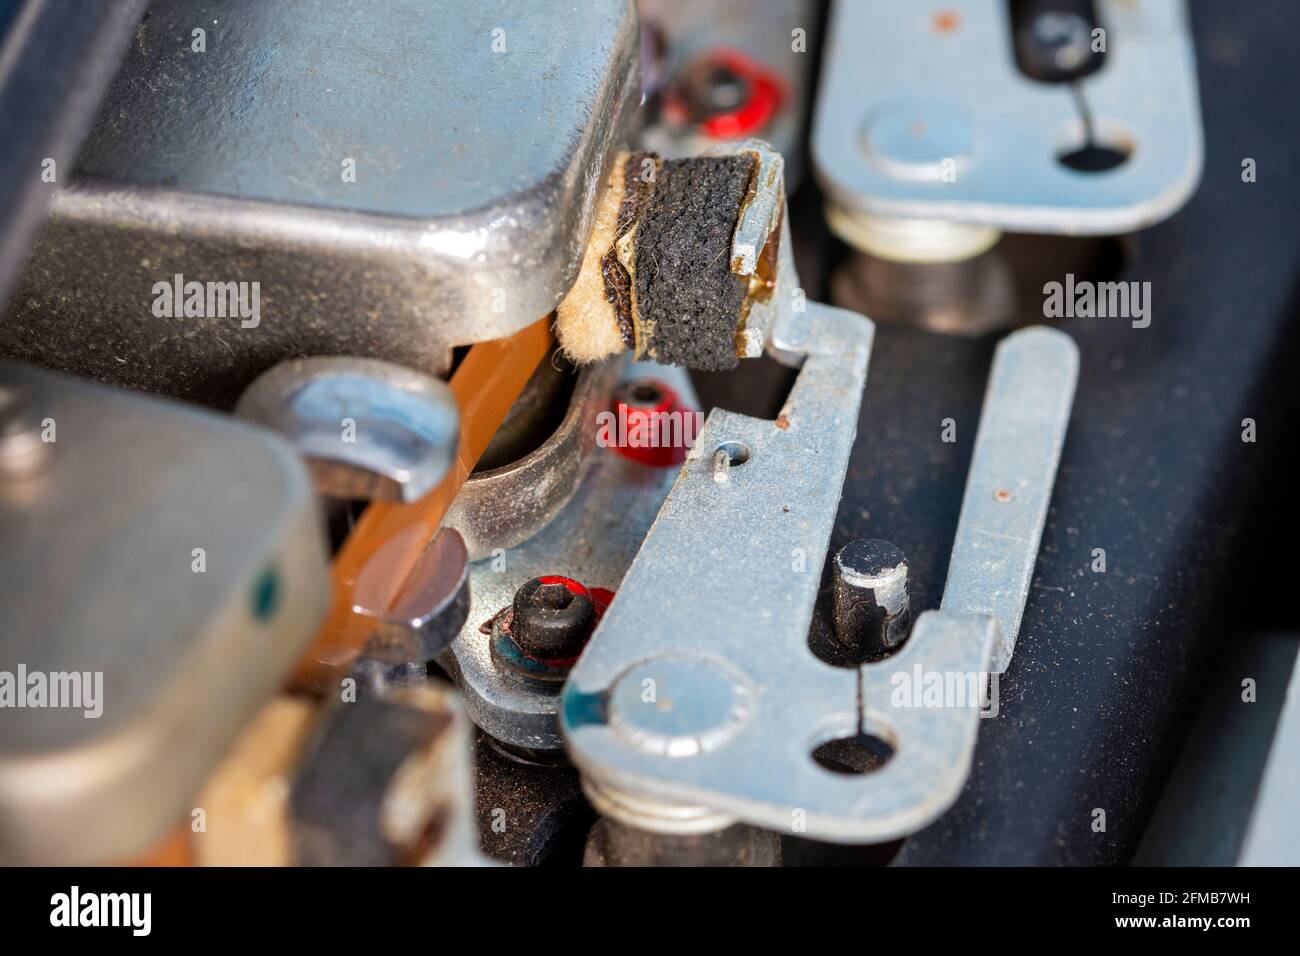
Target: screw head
552, 618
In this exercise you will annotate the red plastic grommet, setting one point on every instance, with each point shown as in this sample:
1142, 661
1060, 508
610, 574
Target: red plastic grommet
763, 96
651, 426
601, 597
759, 107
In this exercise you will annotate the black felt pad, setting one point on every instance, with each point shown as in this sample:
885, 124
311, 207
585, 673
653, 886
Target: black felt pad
687, 294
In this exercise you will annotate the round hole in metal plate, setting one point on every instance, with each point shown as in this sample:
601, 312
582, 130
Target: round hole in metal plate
737, 452
1098, 147
862, 752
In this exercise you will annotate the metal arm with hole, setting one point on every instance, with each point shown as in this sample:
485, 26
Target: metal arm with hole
698, 702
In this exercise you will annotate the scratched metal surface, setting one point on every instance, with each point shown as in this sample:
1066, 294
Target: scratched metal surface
413, 90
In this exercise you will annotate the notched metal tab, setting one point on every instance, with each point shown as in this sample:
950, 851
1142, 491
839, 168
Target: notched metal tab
760, 244
760, 215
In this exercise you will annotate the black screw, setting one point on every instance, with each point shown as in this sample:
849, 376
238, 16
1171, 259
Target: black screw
551, 622
870, 596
